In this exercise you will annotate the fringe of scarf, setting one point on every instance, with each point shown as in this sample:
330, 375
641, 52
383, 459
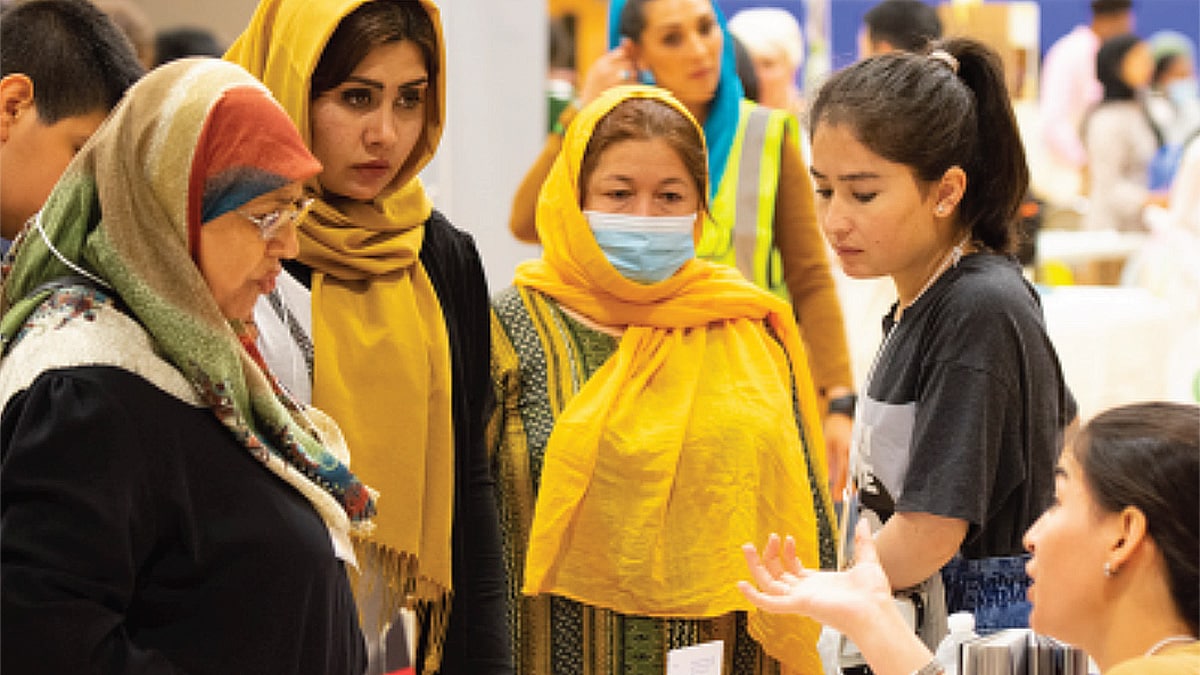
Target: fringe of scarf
396, 575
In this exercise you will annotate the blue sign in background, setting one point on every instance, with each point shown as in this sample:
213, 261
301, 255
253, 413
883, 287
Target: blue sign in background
1057, 17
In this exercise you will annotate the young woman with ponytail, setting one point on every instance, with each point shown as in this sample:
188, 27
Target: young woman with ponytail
919, 172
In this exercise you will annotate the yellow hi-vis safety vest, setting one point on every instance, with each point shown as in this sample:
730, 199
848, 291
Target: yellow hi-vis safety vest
740, 230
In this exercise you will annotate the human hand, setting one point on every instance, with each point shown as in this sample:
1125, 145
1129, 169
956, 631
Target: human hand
837, 428
846, 601
613, 68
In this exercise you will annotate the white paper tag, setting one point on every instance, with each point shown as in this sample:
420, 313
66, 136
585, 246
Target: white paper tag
703, 659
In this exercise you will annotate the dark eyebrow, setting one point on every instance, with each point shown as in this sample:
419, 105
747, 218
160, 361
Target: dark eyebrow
616, 176
849, 177
367, 82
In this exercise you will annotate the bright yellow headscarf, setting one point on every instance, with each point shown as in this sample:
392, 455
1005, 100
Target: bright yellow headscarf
382, 360
684, 445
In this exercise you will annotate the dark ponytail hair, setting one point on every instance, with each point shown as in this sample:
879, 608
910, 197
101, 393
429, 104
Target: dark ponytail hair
1147, 456
923, 112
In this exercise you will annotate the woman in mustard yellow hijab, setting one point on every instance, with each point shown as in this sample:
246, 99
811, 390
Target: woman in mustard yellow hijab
383, 323
655, 412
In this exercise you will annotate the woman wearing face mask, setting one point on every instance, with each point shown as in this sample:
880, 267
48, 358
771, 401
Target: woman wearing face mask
761, 217
383, 321
653, 408
1174, 101
1121, 139
167, 508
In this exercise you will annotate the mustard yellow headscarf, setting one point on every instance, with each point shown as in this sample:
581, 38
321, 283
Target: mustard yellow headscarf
684, 445
382, 361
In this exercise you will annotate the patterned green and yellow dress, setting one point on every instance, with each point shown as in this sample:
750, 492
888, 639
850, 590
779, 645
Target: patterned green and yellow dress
541, 358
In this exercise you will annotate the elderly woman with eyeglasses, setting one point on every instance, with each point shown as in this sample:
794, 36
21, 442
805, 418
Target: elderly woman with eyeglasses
167, 508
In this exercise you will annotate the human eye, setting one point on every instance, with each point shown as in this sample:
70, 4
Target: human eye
707, 26
410, 98
358, 97
864, 197
269, 221
671, 196
673, 39
824, 192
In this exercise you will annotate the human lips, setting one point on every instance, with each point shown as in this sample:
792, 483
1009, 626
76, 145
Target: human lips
266, 283
373, 169
844, 251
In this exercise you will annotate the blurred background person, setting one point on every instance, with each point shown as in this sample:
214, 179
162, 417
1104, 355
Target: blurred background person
1173, 102
898, 25
562, 75
1069, 88
135, 23
776, 45
1120, 138
177, 43
744, 63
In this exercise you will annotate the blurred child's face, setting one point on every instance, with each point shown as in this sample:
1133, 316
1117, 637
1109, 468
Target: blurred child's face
33, 155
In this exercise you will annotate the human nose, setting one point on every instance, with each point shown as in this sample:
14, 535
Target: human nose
1030, 536
285, 243
697, 45
643, 205
382, 128
833, 220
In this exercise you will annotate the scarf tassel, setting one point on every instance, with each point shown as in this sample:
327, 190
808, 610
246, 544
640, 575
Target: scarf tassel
395, 575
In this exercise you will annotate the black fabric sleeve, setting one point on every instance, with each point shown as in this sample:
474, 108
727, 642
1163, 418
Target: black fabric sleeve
478, 641
76, 523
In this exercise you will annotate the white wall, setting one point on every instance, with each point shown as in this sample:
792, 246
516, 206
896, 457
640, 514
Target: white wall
495, 124
496, 53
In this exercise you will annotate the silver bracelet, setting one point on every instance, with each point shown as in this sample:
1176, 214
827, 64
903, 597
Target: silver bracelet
931, 668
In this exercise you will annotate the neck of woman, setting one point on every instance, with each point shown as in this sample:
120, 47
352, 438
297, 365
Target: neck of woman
699, 111
949, 259
615, 331
1137, 623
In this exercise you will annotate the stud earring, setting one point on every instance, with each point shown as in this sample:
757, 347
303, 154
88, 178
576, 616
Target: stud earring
940, 210
1109, 571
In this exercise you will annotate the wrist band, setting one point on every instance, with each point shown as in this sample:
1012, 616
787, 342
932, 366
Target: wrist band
843, 405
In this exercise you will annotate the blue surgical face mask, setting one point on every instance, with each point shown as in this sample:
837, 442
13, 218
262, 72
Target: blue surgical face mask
645, 249
1183, 92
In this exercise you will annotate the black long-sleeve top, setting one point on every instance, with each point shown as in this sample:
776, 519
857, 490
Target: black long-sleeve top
137, 536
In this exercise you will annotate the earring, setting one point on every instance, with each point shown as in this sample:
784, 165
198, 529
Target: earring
1109, 571
940, 210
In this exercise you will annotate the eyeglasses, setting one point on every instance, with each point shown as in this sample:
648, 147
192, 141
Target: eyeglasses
269, 224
